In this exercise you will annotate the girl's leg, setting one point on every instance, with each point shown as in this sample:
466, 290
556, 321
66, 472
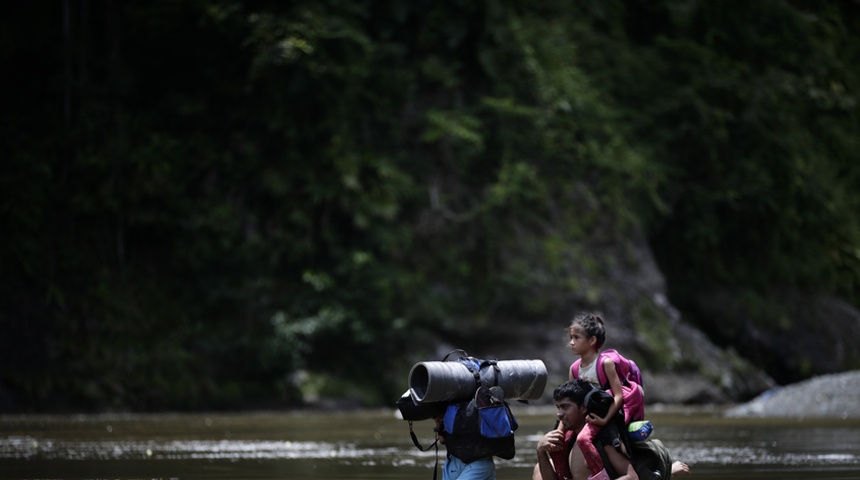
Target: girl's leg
585, 442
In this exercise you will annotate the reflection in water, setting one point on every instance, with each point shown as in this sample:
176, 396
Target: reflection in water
30, 448
374, 444
759, 456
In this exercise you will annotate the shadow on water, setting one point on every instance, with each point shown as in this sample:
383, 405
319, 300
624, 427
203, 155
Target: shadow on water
375, 444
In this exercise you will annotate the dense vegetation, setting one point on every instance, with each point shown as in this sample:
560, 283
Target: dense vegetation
203, 199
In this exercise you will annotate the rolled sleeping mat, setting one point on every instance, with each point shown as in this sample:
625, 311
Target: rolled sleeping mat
452, 381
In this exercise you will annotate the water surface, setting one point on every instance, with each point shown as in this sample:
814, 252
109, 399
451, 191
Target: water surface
375, 444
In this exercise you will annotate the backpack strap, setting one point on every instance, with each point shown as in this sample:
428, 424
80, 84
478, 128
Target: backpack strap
434, 444
445, 359
614, 436
601, 372
494, 364
574, 369
417, 444
473, 364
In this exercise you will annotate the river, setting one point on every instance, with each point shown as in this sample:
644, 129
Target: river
374, 444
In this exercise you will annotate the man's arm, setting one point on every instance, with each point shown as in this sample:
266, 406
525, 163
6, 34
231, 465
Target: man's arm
551, 442
621, 463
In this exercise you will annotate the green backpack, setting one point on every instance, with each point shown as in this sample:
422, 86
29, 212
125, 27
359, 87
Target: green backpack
650, 458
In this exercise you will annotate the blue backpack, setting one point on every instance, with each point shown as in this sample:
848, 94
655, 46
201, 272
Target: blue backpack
480, 427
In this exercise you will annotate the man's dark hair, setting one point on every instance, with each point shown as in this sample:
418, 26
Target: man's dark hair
575, 390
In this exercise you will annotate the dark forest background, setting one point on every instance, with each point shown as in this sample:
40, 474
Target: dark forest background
210, 204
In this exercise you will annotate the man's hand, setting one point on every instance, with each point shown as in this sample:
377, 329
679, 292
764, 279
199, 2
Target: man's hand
440, 429
551, 442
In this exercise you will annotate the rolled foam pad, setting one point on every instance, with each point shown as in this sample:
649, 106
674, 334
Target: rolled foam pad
452, 381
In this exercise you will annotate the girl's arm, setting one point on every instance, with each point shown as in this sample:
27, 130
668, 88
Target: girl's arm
615, 386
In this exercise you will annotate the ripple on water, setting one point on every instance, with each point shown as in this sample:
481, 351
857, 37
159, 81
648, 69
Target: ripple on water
24, 447
693, 454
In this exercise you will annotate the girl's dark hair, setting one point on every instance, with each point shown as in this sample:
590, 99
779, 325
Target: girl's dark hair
592, 325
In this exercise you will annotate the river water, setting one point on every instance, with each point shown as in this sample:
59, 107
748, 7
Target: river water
375, 444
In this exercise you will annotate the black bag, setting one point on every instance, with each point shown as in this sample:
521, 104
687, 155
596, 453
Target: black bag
412, 411
598, 401
480, 428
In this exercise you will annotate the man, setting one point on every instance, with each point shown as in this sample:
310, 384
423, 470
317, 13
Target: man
456, 469
558, 459
474, 432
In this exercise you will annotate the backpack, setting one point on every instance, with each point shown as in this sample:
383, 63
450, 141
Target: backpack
628, 371
631, 382
480, 427
650, 458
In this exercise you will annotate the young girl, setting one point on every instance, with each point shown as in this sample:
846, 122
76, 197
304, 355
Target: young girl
587, 335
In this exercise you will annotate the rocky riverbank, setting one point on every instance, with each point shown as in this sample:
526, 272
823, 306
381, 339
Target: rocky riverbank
827, 396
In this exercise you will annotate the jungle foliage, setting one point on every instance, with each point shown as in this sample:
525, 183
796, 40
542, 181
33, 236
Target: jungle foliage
202, 199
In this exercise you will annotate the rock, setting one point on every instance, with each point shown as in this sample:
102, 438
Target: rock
793, 335
676, 389
680, 364
827, 396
